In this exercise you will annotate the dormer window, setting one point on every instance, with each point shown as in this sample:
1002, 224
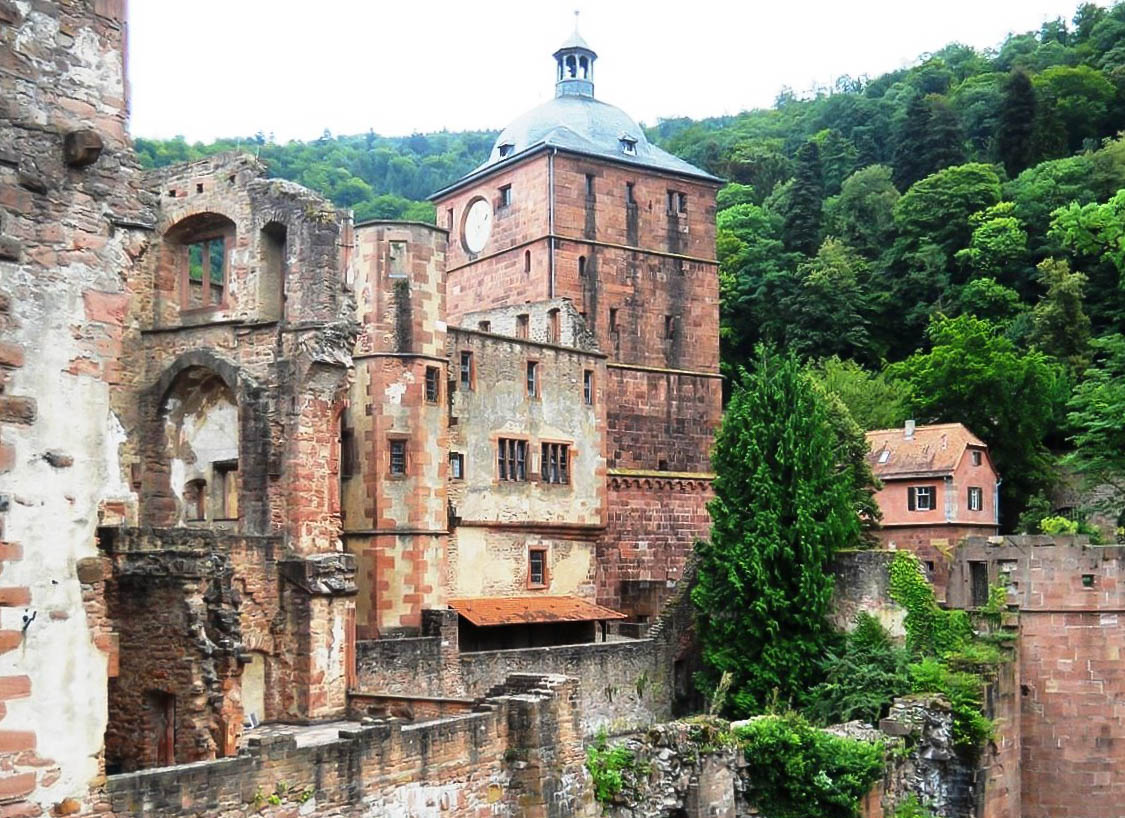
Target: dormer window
628, 145
506, 150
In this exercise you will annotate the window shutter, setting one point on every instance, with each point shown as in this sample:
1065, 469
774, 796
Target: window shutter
911, 503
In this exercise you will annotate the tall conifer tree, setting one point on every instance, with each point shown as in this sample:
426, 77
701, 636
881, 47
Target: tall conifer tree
1016, 126
803, 220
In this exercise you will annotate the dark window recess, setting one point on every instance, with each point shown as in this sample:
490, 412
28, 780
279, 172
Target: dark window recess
195, 494
512, 459
484, 326
457, 465
554, 466
1087, 580
398, 457
527, 261
348, 454
506, 150
449, 219
581, 266
629, 197
669, 327
523, 321
226, 479
537, 567
628, 146
662, 465
532, 379
978, 581
553, 327
976, 458
467, 370
613, 319
588, 387
505, 196
590, 186
677, 202
433, 387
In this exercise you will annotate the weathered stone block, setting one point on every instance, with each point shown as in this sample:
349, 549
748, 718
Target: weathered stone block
82, 147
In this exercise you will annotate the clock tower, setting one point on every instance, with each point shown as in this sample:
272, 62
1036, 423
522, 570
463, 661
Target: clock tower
575, 203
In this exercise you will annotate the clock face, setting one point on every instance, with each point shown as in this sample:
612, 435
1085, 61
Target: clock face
478, 224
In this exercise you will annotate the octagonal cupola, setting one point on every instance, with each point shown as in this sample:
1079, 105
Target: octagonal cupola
575, 67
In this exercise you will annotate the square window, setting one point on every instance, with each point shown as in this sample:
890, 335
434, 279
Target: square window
511, 459
537, 567
976, 498
457, 465
920, 498
588, 387
554, 465
466, 369
484, 326
398, 457
506, 150
433, 384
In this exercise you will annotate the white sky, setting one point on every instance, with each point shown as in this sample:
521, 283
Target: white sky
211, 68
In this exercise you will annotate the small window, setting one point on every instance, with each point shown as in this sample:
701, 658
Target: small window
349, 457
505, 196
226, 479
554, 465
976, 498
884, 456
920, 498
457, 465
629, 197
977, 458
613, 319
1087, 580
588, 387
398, 457
553, 326
669, 327
677, 202
511, 459
205, 276
590, 190
397, 266
195, 500
533, 379
537, 567
433, 384
628, 145
523, 321
466, 369
527, 261
484, 326
449, 219
978, 583
506, 150
581, 266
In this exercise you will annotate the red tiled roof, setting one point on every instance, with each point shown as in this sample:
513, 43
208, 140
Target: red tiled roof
933, 449
512, 610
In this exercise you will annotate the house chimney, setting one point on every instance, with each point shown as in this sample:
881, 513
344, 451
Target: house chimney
908, 430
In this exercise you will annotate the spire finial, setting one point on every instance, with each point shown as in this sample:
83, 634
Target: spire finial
576, 13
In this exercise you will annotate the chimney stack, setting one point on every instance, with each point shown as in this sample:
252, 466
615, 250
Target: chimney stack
908, 430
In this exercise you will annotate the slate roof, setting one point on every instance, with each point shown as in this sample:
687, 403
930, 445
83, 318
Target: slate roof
514, 610
933, 450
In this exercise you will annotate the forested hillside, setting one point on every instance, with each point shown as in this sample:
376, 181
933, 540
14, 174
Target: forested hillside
944, 242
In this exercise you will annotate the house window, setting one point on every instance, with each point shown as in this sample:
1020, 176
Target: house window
553, 326
226, 479
628, 145
976, 498
398, 457
457, 465
588, 387
206, 274
537, 568
195, 502
677, 202
506, 150
920, 498
484, 326
553, 464
976, 455
466, 369
505, 196
433, 388
589, 186
533, 379
629, 198
512, 459
522, 323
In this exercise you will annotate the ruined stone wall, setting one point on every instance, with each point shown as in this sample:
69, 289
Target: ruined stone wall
73, 224
519, 756
1071, 599
862, 585
934, 545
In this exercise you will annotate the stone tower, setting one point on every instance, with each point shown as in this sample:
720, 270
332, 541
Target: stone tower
574, 203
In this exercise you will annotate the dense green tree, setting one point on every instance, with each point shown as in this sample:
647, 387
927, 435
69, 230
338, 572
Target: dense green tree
863, 214
1096, 414
1081, 95
911, 161
1094, 230
937, 209
781, 509
974, 375
804, 214
998, 246
944, 140
1060, 325
1016, 124
987, 298
873, 401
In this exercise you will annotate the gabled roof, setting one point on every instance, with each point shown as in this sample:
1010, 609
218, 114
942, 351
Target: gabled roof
931, 450
514, 610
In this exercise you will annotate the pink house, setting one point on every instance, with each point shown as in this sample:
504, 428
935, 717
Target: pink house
939, 486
